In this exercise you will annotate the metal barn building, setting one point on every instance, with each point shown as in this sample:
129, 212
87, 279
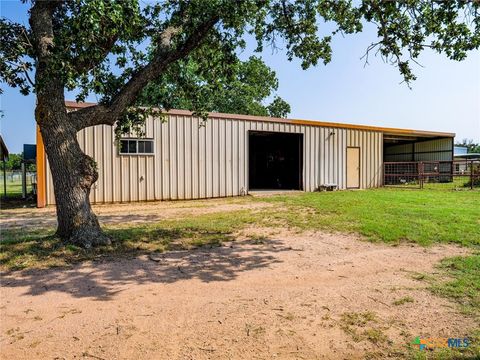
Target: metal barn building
231, 155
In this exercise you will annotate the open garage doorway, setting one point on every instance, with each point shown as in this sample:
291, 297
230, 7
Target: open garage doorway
275, 161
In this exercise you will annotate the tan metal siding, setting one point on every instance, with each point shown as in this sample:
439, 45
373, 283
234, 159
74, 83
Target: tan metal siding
371, 162
432, 150
197, 159
402, 152
439, 149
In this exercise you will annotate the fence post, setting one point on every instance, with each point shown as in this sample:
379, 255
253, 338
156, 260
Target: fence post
418, 175
471, 175
452, 171
4, 179
419, 171
24, 181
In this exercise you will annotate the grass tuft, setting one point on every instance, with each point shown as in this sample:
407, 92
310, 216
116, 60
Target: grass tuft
403, 301
460, 282
358, 326
382, 215
357, 319
375, 336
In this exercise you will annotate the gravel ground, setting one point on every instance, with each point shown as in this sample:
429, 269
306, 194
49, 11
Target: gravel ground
289, 296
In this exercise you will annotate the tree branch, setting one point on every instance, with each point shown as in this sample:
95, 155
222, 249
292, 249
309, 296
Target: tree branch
29, 79
108, 114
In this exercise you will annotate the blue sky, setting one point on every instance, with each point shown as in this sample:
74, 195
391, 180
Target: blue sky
445, 97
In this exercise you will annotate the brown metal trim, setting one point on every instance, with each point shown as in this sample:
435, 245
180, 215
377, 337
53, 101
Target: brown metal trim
386, 130
41, 172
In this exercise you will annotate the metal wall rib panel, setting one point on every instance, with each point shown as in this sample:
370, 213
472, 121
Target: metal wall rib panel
200, 159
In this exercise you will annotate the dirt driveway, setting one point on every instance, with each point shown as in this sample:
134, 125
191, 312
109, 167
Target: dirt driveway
286, 296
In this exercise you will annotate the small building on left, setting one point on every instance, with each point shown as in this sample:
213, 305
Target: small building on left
4, 158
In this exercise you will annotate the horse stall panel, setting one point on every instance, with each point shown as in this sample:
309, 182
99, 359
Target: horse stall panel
458, 174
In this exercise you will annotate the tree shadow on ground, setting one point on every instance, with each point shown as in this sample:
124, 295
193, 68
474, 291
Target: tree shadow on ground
40, 248
30, 220
16, 202
102, 280
27, 219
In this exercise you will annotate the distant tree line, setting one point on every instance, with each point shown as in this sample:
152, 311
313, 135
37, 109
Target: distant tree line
470, 145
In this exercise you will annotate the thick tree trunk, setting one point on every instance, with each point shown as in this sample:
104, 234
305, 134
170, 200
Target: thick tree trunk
73, 172
73, 175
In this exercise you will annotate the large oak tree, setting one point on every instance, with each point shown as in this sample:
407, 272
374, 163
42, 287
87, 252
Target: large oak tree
117, 48
245, 89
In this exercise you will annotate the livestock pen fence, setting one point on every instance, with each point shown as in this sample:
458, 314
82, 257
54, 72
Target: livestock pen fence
18, 185
457, 174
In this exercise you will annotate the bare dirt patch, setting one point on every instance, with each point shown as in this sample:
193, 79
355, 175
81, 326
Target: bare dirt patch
131, 213
278, 294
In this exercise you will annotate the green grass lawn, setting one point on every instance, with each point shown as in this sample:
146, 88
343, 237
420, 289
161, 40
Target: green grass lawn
457, 183
462, 282
383, 215
40, 248
14, 184
458, 279
392, 216
14, 188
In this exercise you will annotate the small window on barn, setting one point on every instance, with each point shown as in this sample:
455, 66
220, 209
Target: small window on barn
145, 147
136, 147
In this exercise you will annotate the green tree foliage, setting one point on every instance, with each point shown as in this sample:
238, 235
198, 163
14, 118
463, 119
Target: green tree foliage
97, 47
14, 162
188, 85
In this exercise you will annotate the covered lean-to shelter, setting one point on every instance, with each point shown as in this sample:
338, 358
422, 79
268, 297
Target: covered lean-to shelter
185, 157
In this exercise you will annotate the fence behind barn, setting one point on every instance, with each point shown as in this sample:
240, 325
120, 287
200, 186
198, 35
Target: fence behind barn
457, 174
15, 186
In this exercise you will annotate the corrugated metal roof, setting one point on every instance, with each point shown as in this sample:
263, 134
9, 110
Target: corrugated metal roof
385, 130
471, 156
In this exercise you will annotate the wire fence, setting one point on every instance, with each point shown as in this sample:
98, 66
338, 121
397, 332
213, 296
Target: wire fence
11, 186
458, 174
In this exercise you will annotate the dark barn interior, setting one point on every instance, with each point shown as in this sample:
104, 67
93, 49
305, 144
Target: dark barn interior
275, 161
403, 148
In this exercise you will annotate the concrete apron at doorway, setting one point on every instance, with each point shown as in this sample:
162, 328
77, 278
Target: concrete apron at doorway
266, 192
